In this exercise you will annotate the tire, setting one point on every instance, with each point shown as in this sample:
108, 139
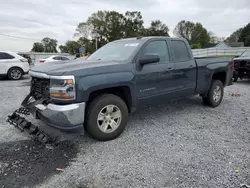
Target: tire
214, 99
205, 101
235, 79
15, 73
101, 106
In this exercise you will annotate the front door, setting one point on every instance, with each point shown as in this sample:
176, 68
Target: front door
154, 81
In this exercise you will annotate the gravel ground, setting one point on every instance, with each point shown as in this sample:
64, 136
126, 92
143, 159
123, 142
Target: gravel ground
179, 144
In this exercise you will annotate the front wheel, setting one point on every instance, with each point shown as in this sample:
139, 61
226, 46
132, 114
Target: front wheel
106, 117
215, 94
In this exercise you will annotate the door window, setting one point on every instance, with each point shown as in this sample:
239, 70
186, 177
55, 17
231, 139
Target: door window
181, 52
157, 48
57, 58
65, 58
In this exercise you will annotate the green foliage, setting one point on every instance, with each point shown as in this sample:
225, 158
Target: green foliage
194, 32
200, 35
108, 26
234, 37
49, 45
245, 35
37, 47
157, 28
196, 46
184, 29
70, 47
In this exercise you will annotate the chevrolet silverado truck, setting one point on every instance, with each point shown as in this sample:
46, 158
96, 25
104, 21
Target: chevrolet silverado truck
99, 93
242, 66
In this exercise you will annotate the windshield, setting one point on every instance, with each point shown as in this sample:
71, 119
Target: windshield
118, 50
246, 54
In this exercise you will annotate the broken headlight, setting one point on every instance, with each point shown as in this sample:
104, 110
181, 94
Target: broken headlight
63, 88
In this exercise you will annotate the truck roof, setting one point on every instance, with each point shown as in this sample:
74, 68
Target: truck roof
147, 38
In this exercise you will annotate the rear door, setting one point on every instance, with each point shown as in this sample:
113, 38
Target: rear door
185, 68
5, 62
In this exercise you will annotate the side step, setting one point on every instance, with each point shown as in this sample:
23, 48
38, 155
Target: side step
24, 125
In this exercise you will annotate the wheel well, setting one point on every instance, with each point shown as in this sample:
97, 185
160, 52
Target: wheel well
220, 76
15, 67
123, 92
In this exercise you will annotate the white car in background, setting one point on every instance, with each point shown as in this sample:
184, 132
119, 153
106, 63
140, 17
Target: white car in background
13, 65
54, 58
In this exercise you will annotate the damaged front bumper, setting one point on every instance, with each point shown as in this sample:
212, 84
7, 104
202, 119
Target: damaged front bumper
63, 117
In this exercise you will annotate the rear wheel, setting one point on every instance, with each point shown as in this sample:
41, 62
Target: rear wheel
106, 117
215, 94
15, 73
235, 79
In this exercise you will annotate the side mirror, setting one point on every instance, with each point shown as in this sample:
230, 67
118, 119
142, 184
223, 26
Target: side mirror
147, 59
236, 56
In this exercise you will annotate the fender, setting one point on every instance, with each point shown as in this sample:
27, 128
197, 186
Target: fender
88, 84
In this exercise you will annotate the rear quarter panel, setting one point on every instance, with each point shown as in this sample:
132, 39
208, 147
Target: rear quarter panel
207, 67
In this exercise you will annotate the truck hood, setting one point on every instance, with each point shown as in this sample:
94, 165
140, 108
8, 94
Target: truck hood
242, 58
60, 67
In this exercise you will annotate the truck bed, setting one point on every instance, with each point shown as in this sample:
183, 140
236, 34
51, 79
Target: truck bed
205, 70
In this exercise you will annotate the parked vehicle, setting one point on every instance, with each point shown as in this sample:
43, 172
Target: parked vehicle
242, 66
13, 65
120, 78
27, 57
54, 58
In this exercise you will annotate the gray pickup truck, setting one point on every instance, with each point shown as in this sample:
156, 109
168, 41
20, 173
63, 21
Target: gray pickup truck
124, 75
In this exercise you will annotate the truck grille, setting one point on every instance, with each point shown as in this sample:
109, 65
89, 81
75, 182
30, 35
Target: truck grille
40, 88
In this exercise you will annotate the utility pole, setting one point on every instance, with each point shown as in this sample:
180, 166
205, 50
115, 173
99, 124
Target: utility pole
96, 46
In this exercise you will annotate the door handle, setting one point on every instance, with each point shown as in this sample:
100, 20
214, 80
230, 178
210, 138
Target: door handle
170, 68
191, 66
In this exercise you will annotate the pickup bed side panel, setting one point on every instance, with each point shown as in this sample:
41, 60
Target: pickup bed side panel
92, 83
207, 68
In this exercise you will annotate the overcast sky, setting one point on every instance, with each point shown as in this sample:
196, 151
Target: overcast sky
35, 19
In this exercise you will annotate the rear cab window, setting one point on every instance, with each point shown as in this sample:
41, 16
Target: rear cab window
180, 51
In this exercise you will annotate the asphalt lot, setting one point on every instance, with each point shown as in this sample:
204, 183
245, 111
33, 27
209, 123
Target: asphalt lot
179, 144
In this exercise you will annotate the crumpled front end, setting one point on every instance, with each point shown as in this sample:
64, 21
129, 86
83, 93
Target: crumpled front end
39, 104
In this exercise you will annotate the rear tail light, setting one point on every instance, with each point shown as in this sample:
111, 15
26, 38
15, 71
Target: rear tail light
42, 61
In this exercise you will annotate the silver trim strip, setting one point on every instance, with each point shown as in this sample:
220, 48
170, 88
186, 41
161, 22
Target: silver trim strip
44, 75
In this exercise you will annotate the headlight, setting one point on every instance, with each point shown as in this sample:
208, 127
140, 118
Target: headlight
63, 88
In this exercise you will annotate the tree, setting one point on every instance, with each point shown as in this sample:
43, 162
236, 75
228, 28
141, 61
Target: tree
84, 30
70, 47
185, 30
157, 28
133, 24
195, 33
49, 45
37, 47
200, 35
107, 26
234, 37
63, 49
245, 35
